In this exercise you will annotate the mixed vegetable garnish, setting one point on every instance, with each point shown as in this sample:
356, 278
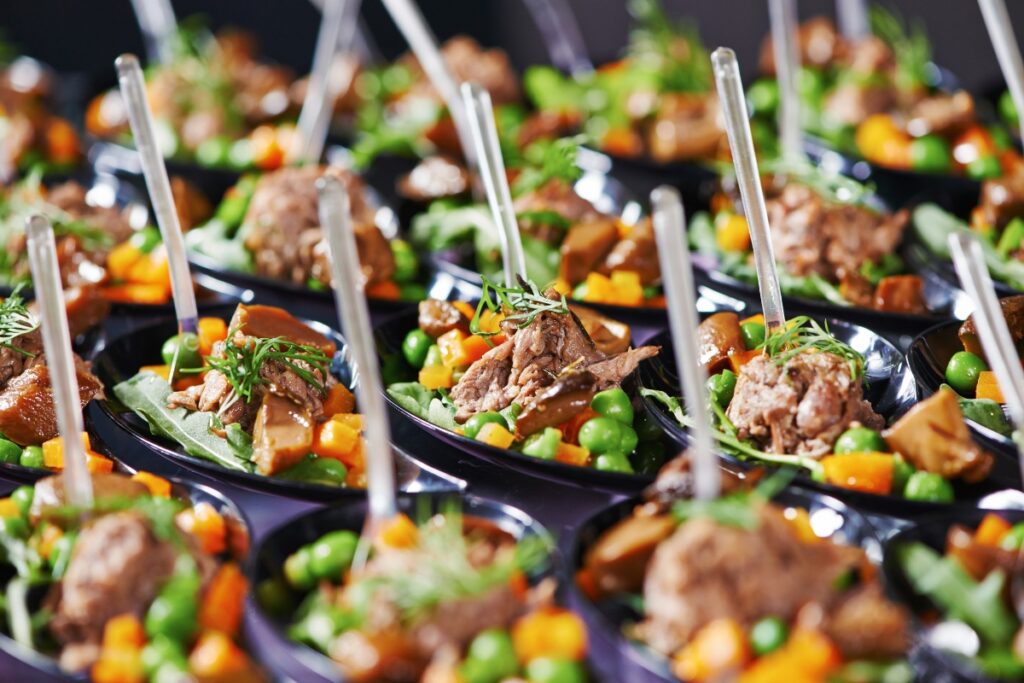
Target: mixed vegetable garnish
525, 371
973, 587
257, 394
467, 613
830, 241
744, 589
143, 586
796, 398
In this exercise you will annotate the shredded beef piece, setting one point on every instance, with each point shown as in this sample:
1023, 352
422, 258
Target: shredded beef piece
27, 413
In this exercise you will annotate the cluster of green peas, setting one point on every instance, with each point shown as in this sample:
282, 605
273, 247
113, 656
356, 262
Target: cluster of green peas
20, 527
28, 456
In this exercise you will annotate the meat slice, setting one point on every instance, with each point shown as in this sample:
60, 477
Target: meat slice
636, 252
50, 496
800, 406
819, 43
866, 625
434, 178
941, 114
611, 371
900, 294
485, 384
687, 126
1002, 199
1013, 311
468, 61
851, 103
585, 247
27, 414
282, 435
559, 197
266, 322
719, 336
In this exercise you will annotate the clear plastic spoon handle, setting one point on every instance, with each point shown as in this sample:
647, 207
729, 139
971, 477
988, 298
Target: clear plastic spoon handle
337, 31
492, 169
60, 363
787, 64
561, 34
158, 24
1000, 30
133, 91
410, 22
734, 105
681, 294
853, 19
346, 274
992, 329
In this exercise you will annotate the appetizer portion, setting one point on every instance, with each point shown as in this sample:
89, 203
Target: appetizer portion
745, 589
270, 226
830, 242
656, 102
257, 394
144, 586
525, 371
448, 599
215, 103
972, 586
797, 398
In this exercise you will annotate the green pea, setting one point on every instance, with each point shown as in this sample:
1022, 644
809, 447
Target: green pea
721, 387
649, 457
415, 347
182, 351
543, 445
173, 615
901, 473
962, 372
314, 470
551, 670
406, 263
601, 435
433, 358
984, 168
929, 488
240, 156
9, 451
32, 456
161, 651
647, 428
930, 154
768, 635
332, 554
494, 648
629, 440
614, 403
297, 569
1014, 538
753, 334
860, 440
763, 96
146, 240
1007, 108
613, 462
22, 497
215, 151
476, 423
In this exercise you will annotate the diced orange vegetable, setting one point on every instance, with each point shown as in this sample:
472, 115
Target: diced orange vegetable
656, 301
351, 420
801, 522
587, 583
267, 153
490, 321
118, 666
158, 486
867, 472
97, 463
339, 400
452, 352
224, 601
974, 143
436, 377
988, 387
53, 451
152, 269
121, 259
493, 434
627, 288
717, 649
61, 142
216, 656
8, 508
387, 290
48, 538
206, 524
758, 319
571, 428
136, 294
572, 455
550, 632
519, 584
807, 657
401, 532
598, 288
874, 133
210, 331
991, 530
465, 308
740, 358
561, 286
124, 631
733, 234
190, 380
474, 347
335, 440
160, 370
622, 141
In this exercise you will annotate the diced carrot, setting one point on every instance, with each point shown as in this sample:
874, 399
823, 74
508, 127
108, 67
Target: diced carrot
452, 353
759, 319
519, 584
622, 141
267, 154
873, 134
587, 583
656, 301
351, 420
550, 632
48, 538
400, 532
988, 387
224, 601
53, 451
474, 347
867, 472
465, 308
991, 530
158, 486
740, 358
490, 321
974, 143
160, 370
186, 381
436, 377
9, 509
136, 294
801, 522
807, 657
206, 524
733, 234
493, 434
335, 440
215, 656
979, 222
121, 259
387, 290
339, 400
598, 288
572, 455
152, 269
571, 427
124, 631
717, 649
627, 288
62, 146
210, 331
96, 463
119, 666
561, 286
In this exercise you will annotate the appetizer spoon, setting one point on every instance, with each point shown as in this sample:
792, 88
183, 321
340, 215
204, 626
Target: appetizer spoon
336, 35
853, 19
133, 91
60, 362
561, 35
787, 61
734, 104
492, 170
346, 276
997, 20
681, 295
158, 24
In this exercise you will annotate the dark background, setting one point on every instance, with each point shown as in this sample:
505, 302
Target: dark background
84, 36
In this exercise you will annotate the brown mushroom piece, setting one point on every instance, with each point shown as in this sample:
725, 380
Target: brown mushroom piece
610, 336
618, 561
718, 337
1013, 311
50, 496
282, 434
570, 394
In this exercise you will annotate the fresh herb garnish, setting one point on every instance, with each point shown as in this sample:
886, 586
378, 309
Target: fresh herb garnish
802, 334
674, 51
547, 160
15, 321
910, 46
734, 509
521, 305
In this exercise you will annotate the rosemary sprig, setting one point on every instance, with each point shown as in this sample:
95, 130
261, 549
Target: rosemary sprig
521, 304
910, 46
546, 160
802, 334
15, 321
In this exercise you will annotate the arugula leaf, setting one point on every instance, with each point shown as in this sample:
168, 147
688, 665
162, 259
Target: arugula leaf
934, 225
146, 395
984, 411
423, 403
